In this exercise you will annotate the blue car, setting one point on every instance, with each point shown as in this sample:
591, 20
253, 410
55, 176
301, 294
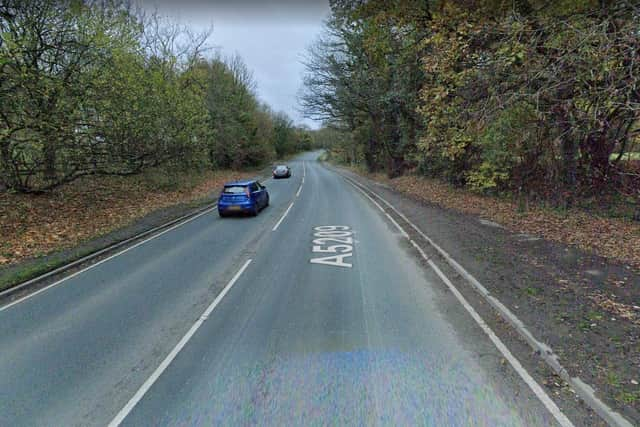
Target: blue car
242, 197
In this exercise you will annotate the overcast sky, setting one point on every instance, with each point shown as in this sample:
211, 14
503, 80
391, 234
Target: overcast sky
271, 37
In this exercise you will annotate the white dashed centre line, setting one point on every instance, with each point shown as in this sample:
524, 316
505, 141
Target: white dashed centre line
275, 227
181, 344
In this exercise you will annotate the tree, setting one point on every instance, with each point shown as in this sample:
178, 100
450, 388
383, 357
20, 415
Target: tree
365, 72
48, 51
91, 88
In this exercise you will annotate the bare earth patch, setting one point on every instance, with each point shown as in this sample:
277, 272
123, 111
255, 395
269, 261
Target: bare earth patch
34, 225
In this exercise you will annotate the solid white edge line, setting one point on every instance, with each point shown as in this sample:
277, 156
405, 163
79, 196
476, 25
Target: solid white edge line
117, 420
275, 227
520, 370
513, 361
393, 221
583, 390
56, 283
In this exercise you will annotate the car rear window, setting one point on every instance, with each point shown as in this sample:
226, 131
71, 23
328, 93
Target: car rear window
235, 189
281, 168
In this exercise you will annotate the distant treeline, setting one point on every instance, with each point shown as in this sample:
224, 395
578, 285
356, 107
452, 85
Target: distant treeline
533, 97
96, 88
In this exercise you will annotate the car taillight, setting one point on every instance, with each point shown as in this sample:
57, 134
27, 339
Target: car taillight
247, 192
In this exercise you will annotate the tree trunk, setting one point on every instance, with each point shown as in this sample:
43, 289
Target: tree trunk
569, 156
395, 149
5, 163
370, 153
599, 153
396, 167
50, 154
569, 153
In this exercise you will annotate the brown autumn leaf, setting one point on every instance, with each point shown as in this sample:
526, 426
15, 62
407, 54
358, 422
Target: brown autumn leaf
32, 225
612, 238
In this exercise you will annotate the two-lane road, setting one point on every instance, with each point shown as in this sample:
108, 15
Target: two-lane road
325, 317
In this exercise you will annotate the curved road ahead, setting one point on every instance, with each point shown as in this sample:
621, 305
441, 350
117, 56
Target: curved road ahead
242, 321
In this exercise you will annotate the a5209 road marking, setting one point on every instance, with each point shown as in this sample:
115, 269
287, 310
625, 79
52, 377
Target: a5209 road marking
333, 239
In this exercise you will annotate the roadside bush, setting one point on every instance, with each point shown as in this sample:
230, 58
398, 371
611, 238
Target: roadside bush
507, 150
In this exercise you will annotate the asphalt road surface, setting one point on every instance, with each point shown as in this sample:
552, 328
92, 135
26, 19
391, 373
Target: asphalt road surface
324, 315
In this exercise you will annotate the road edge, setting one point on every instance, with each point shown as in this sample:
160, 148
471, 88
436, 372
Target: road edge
62, 269
582, 389
8, 293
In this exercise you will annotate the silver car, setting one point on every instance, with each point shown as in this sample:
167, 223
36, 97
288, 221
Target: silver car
282, 171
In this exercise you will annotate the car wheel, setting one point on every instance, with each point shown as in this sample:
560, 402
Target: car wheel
255, 210
222, 215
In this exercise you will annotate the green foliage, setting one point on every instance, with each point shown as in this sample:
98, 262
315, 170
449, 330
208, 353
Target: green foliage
504, 145
532, 97
284, 138
364, 76
89, 88
486, 176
